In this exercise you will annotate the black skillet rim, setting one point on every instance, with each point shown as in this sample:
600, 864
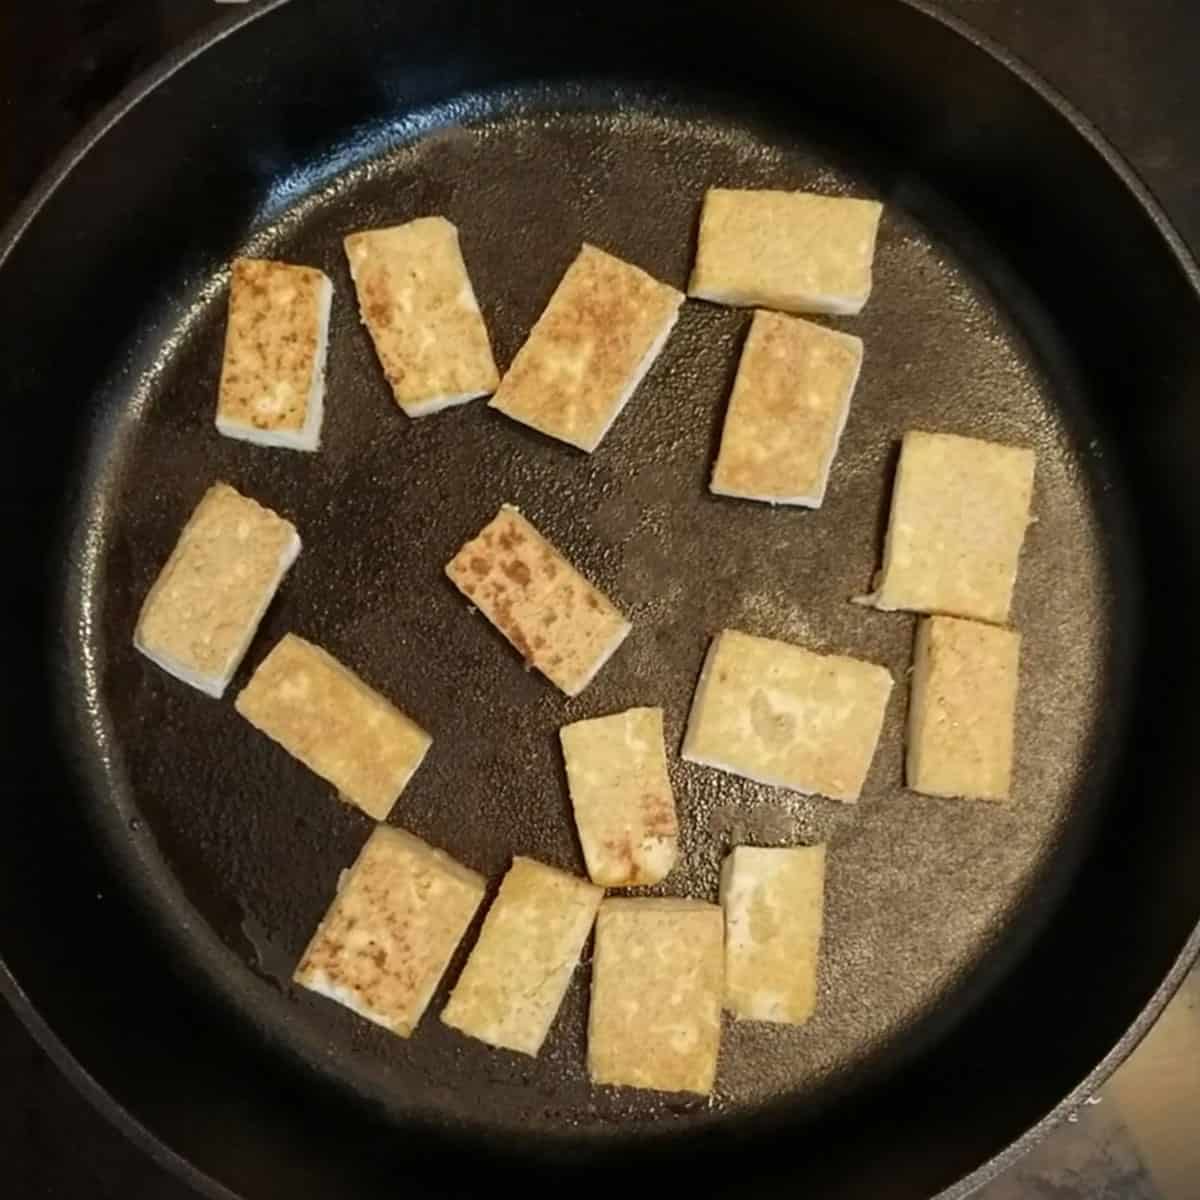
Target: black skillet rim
148, 82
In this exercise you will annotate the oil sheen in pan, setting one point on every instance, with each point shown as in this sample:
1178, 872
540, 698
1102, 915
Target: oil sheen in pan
925, 897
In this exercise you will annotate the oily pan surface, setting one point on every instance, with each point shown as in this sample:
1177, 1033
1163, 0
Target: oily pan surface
924, 895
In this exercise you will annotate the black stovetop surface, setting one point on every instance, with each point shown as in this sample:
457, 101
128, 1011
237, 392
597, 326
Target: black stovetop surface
1130, 65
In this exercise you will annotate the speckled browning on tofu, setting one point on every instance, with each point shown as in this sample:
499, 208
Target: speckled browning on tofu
199, 616
773, 899
962, 709
621, 796
575, 372
793, 251
416, 299
514, 982
388, 935
272, 344
657, 982
324, 715
785, 716
960, 509
555, 619
787, 410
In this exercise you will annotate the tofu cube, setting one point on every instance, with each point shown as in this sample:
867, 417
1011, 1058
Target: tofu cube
621, 794
774, 902
784, 716
556, 620
198, 618
602, 330
338, 727
273, 374
792, 251
962, 709
391, 930
514, 982
416, 299
787, 412
657, 981
960, 508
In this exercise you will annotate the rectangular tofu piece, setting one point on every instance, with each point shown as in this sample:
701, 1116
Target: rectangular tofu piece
276, 339
198, 618
338, 727
621, 794
514, 982
556, 620
791, 251
589, 350
784, 716
774, 903
962, 709
658, 974
416, 299
787, 411
960, 508
391, 930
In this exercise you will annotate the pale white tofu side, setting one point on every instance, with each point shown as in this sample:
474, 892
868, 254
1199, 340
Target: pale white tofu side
513, 984
774, 901
391, 929
621, 795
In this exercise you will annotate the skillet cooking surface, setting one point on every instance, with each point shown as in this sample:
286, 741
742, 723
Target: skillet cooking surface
924, 894
985, 965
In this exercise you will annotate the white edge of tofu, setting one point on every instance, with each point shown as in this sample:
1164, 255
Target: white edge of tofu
635, 379
319, 982
917, 695
698, 700
215, 685
602, 658
833, 306
436, 404
308, 436
817, 498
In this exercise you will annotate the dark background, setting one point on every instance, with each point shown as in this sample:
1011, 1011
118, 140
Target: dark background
1133, 66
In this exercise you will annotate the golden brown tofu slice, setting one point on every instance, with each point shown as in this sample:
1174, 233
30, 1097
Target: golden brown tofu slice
960, 508
556, 620
514, 982
601, 332
273, 374
621, 794
416, 299
198, 618
792, 251
323, 714
657, 981
784, 716
787, 412
774, 903
962, 709
387, 938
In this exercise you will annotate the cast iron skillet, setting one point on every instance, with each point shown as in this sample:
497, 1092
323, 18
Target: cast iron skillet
163, 864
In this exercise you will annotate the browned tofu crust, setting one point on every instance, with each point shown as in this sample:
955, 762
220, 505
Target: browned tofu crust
556, 620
